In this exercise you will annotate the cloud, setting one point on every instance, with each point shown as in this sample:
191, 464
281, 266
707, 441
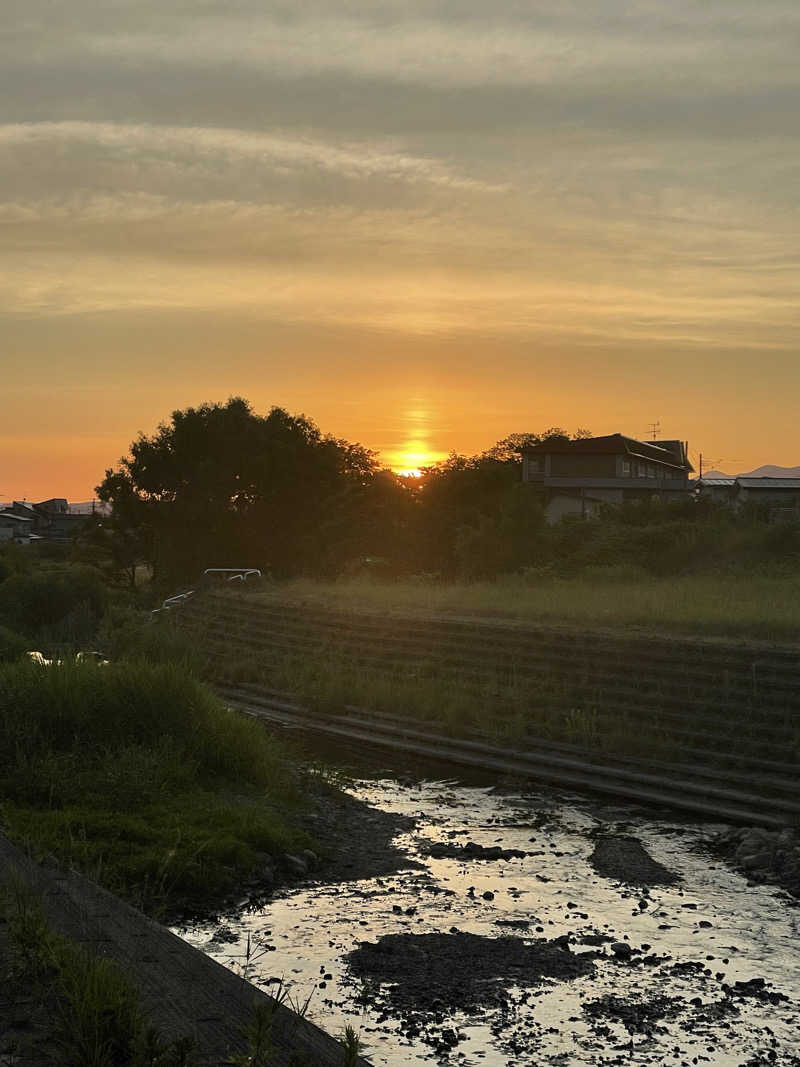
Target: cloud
448, 45
267, 150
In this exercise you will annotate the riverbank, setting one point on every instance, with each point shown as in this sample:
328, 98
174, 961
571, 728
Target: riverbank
636, 943
729, 606
139, 777
89, 981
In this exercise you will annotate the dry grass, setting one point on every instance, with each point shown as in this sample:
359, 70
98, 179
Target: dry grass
755, 608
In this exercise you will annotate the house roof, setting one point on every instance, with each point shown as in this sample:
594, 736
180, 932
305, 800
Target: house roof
616, 444
13, 517
715, 482
769, 483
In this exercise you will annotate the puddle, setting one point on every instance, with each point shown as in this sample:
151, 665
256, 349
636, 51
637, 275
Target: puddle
661, 987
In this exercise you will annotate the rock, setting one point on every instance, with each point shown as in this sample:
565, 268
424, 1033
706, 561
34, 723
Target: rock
488, 895
295, 865
626, 860
310, 858
753, 861
621, 950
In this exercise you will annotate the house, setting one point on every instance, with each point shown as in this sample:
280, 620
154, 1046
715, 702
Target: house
778, 497
580, 477
51, 520
719, 488
15, 528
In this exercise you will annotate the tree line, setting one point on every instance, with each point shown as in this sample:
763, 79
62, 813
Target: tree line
220, 485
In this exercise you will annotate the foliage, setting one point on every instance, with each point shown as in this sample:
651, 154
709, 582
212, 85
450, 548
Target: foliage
351, 1043
764, 606
12, 645
139, 776
55, 600
220, 484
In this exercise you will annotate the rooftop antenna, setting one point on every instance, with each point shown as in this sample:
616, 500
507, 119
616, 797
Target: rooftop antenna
654, 427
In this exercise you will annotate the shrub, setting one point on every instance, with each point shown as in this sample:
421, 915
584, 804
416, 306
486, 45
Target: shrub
138, 775
45, 597
12, 645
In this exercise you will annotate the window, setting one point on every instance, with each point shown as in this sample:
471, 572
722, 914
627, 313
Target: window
626, 468
534, 467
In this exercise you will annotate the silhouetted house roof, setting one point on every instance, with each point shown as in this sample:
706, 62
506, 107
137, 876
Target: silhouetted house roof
769, 483
56, 504
579, 477
616, 444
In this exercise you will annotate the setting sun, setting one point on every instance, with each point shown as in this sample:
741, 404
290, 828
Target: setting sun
410, 461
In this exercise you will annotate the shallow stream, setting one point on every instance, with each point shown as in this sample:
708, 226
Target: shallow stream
673, 997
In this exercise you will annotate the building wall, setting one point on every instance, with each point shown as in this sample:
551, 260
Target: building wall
558, 507
582, 466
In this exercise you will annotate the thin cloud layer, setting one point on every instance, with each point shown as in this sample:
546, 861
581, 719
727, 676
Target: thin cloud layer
560, 175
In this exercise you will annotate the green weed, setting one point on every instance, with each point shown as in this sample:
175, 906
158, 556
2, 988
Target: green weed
141, 778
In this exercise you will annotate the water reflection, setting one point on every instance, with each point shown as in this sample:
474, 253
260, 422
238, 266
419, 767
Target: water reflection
713, 920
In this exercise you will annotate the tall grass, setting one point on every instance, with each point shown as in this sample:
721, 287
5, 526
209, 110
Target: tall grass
762, 607
503, 706
139, 776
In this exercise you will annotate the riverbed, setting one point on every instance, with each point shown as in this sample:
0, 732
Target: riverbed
705, 970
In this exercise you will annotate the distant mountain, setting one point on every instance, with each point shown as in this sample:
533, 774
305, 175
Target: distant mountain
769, 470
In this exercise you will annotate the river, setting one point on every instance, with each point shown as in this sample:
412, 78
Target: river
664, 993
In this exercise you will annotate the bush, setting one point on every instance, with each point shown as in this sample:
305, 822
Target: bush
44, 598
12, 645
138, 775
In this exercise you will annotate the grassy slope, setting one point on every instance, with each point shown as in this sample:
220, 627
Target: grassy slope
754, 607
137, 775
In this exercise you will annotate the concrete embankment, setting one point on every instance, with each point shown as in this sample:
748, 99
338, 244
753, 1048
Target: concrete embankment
183, 992
706, 725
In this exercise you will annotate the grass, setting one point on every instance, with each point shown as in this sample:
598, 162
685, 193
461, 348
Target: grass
759, 607
138, 776
502, 708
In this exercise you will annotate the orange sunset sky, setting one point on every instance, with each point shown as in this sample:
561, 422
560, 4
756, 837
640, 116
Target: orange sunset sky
424, 225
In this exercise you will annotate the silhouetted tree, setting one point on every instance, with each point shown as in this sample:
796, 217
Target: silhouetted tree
221, 485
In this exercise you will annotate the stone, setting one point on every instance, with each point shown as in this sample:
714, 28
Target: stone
295, 865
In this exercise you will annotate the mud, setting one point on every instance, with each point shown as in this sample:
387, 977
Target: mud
626, 860
359, 840
471, 851
637, 1016
766, 857
681, 960
458, 971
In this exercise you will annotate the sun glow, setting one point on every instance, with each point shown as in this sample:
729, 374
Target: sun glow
412, 451
409, 461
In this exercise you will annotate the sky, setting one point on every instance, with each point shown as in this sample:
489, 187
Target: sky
423, 225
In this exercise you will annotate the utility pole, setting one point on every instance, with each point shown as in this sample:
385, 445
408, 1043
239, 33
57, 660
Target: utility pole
701, 466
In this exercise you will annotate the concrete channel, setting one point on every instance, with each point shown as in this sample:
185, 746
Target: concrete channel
183, 991
727, 714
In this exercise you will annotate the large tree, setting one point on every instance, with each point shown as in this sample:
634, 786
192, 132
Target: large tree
220, 485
